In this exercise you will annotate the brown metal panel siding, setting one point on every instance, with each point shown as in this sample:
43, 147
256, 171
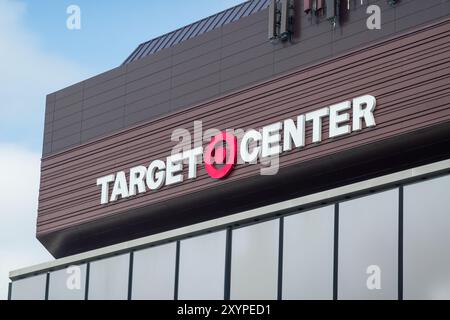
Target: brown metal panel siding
61, 94
104, 108
102, 129
72, 140
241, 51
146, 81
62, 113
197, 96
149, 70
154, 101
147, 113
409, 75
203, 50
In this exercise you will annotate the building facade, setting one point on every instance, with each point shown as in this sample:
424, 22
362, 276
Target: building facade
275, 150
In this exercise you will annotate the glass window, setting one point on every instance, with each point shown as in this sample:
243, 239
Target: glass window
32, 288
68, 283
154, 273
368, 247
254, 261
426, 240
108, 278
308, 241
202, 267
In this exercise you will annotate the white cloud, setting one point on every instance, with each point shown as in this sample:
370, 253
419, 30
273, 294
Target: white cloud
19, 186
27, 74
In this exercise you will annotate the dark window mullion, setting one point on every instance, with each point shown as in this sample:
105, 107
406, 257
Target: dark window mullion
228, 247
280, 259
86, 289
9, 290
335, 251
47, 284
177, 270
130, 276
400, 243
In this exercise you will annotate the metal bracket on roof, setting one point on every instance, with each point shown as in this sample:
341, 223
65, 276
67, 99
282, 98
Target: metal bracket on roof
281, 20
331, 12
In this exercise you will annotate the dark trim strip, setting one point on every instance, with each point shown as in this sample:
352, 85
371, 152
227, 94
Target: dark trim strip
47, 285
335, 251
130, 276
177, 270
400, 243
86, 292
9, 290
227, 282
280, 259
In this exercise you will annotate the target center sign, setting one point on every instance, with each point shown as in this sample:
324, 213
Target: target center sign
221, 154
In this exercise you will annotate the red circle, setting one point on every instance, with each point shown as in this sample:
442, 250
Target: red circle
214, 155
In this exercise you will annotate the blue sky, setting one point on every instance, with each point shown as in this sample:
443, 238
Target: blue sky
39, 55
110, 31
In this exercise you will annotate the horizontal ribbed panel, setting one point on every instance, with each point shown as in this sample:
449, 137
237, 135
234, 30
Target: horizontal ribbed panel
409, 76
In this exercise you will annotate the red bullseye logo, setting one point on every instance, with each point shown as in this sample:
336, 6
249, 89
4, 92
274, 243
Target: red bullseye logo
221, 155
